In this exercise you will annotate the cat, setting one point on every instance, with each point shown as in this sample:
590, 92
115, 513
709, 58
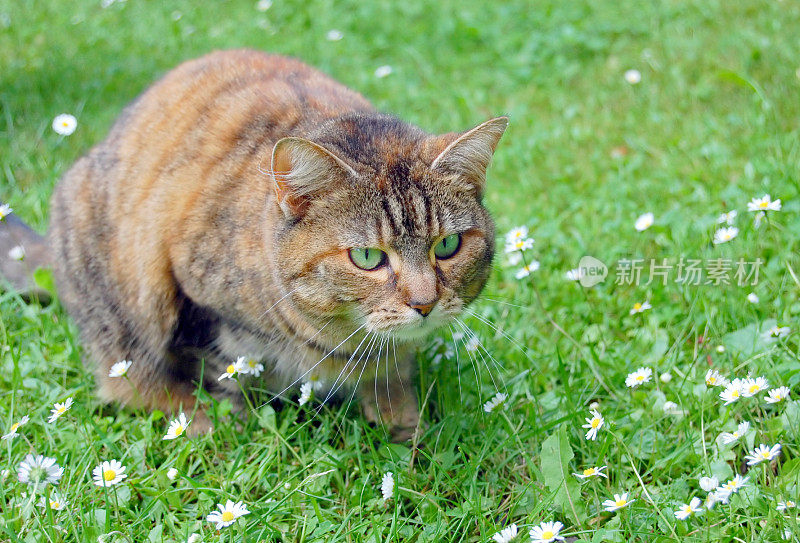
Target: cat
247, 205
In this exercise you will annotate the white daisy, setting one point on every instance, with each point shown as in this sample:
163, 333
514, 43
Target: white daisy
633, 77
177, 427
643, 222
688, 509
671, 408
227, 514
725, 234
254, 367
172, 474
783, 506
263, 5
120, 368
775, 333
387, 486
17, 253
472, 344
751, 387
619, 501
59, 409
713, 379
240, 366
526, 270
731, 487
640, 307
778, 395
591, 472
39, 471
517, 233
519, 245
665, 377
65, 124
709, 483
593, 424
763, 453
194, 538
506, 534
334, 35
305, 394
12, 432
720, 349
56, 502
752, 298
728, 218
732, 392
492, 404
546, 532
732, 437
574, 274
765, 203
638, 377
383, 71
5, 211
109, 473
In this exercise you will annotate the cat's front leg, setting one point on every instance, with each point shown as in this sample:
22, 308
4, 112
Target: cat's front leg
390, 399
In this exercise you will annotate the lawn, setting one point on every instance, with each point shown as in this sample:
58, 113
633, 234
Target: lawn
685, 110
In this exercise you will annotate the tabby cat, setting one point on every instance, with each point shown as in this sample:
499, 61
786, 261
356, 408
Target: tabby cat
248, 205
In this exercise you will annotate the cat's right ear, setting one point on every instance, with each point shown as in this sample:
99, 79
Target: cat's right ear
300, 170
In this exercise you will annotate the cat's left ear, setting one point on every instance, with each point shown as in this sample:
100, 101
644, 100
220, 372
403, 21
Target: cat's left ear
468, 156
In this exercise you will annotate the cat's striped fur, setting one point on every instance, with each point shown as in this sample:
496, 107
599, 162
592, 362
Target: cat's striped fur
215, 221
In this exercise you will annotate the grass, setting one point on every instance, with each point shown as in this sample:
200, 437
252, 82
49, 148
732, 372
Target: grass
713, 123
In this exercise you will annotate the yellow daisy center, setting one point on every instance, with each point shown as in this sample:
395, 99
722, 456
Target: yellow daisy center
754, 388
588, 472
227, 516
548, 534
763, 205
64, 124
620, 503
790, 504
231, 369
637, 306
735, 394
55, 505
735, 435
61, 410
687, 509
14, 427
711, 380
109, 475
595, 423
640, 377
178, 430
765, 454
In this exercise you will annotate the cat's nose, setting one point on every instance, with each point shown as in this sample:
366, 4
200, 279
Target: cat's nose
423, 308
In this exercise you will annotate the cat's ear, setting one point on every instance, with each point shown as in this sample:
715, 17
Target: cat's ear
469, 154
301, 169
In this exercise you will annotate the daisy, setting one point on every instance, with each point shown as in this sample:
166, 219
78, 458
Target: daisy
591, 472
254, 367
194, 538
665, 377
498, 400
305, 394
763, 453
39, 471
472, 344
731, 393
383, 71
714, 497
574, 274
741, 430
709, 483
240, 366
783, 506
16, 253
177, 427
640, 307
519, 245
731, 487
639, 377
172, 474
778, 395
593, 424
506, 534
765, 203
59, 409
12, 432
227, 514
751, 387
720, 349
263, 5
728, 217
65, 124
120, 368
633, 77
688, 509
517, 233
526, 270
514, 258
56, 502
334, 35
546, 532
619, 501
713, 378
776, 332
643, 222
387, 486
752, 298
109, 473
5, 211
725, 234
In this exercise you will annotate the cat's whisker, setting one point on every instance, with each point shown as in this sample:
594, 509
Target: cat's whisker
504, 303
458, 373
471, 334
489, 323
270, 308
475, 368
500, 368
334, 388
365, 355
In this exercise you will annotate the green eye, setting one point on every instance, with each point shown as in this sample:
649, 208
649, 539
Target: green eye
448, 246
367, 258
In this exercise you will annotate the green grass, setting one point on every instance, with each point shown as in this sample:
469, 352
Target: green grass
713, 123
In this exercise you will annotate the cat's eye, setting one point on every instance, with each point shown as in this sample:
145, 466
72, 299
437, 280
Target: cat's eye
448, 246
367, 258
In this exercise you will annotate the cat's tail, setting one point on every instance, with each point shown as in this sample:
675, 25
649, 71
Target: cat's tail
22, 251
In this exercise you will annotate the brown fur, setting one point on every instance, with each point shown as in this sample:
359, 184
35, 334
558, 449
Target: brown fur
216, 220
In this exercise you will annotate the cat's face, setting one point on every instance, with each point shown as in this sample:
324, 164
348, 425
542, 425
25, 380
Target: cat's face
397, 241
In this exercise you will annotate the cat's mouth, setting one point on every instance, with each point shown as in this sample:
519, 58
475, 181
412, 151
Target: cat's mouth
412, 328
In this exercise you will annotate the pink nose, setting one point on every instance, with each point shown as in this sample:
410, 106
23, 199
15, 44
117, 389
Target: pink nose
422, 308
